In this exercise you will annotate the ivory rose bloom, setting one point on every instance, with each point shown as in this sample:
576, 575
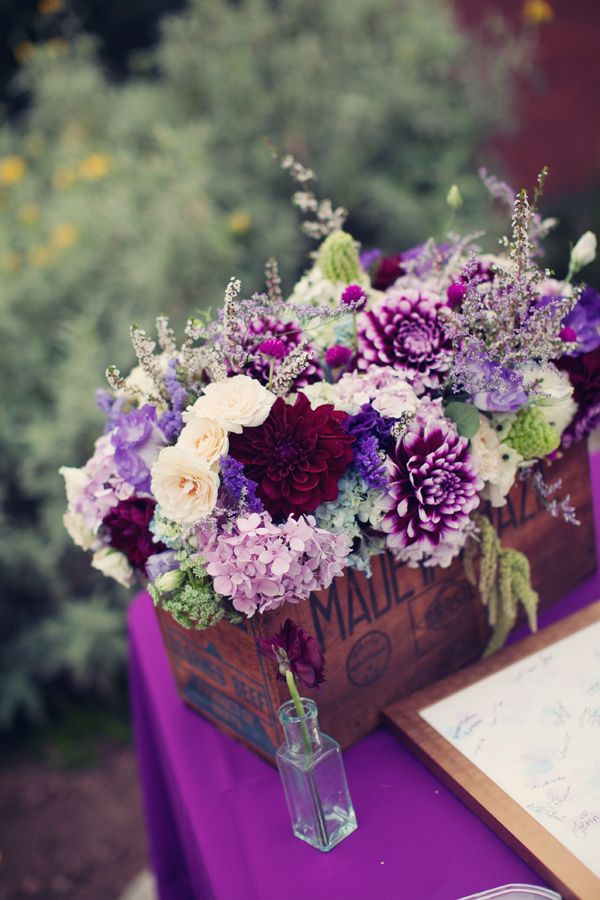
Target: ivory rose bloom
113, 564
497, 463
205, 438
236, 402
184, 485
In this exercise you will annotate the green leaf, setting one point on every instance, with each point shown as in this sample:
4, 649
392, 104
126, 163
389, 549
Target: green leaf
465, 417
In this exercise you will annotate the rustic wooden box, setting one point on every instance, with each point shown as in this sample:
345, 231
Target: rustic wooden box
383, 637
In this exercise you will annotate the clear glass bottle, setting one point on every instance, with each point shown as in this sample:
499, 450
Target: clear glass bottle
314, 780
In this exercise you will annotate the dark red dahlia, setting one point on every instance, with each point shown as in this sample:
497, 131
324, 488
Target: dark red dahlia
388, 271
407, 332
584, 375
294, 649
290, 335
127, 525
296, 456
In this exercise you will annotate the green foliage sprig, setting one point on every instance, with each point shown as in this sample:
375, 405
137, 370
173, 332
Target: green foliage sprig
504, 581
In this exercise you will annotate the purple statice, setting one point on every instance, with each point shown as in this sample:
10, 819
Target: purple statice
407, 331
433, 488
171, 421
584, 319
237, 493
495, 388
372, 433
160, 563
137, 440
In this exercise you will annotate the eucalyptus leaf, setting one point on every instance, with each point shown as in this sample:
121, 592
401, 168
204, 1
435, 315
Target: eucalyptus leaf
465, 417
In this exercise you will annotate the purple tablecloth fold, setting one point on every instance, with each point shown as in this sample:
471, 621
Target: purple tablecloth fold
218, 826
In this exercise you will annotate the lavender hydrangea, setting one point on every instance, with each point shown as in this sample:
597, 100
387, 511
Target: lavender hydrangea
407, 331
137, 440
101, 485
260, 565
433, 489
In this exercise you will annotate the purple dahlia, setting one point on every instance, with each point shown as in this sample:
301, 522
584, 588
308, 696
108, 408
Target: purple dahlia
407, 332
296, 457
128, 528
289, 335
433, 487
584, 375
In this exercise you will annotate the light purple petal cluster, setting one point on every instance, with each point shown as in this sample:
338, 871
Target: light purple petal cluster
260, 565
171, 421
407, 332
137, 440
103, 488
433, 488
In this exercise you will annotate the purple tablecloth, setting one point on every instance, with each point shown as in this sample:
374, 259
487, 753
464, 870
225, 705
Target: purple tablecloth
218, 826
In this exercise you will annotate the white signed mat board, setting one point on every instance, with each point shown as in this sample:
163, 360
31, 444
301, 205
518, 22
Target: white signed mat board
517, 736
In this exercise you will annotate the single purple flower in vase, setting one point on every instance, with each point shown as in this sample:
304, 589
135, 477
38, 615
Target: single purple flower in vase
295, 651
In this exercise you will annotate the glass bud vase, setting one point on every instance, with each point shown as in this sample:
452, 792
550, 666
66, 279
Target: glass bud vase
312, 771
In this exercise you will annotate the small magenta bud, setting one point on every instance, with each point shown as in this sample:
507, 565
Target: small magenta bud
338, 356
456, 294
354, 297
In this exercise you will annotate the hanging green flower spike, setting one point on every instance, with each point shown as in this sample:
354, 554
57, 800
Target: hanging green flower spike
504, 582
531, 436
338, 258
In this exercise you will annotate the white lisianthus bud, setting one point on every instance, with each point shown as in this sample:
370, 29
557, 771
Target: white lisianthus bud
454, 198
169, 581
584, 251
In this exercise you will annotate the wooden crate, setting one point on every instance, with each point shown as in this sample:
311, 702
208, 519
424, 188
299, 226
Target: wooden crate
383, 637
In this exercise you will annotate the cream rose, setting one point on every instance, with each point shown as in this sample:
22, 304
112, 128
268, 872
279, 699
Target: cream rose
205, 438
78, 531
114, 565
235, 402
184, 485
497, 462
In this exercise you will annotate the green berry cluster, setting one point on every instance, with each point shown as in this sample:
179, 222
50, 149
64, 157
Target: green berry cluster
338, 258
531, 435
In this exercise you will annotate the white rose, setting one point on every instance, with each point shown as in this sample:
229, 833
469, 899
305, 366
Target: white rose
584, 251
236, 402
78, 531
485, 447
496, 489
114, 565
169, 581
205, 438
555, 402
321, 393
184, 485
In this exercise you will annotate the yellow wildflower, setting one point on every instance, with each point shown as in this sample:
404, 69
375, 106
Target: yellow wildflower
95, 166
40, 256
64, 177
11, 261
537, 12
57, 47
23, 50
49, 7
29, 214
64, 236
240, 222
12, 169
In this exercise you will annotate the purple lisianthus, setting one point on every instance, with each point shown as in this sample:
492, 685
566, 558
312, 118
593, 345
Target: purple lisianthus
368, 258
584, 319
159, 563
505, 391
369, 422
137, 440
111, 406
127, 528
433, 488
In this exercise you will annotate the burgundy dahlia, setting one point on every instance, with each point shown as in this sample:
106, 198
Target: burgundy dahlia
433, 488
127, 525
406, 331
584, 375
295, 650
388, 271
296, 456
288, 335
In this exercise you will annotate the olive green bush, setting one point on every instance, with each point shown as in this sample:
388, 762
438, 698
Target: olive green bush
118, 202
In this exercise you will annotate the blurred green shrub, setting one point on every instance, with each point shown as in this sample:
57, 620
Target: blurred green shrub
120, 202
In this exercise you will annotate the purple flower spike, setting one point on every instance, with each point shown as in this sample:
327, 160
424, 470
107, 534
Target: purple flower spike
354, 298
273, 347
338, 356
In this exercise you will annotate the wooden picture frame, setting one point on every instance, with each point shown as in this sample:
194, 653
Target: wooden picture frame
524, 834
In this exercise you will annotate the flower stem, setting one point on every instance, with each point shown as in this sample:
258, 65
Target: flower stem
293, 689
271, 365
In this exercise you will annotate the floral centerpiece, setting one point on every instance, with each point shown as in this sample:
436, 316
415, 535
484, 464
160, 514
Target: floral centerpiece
380, 405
